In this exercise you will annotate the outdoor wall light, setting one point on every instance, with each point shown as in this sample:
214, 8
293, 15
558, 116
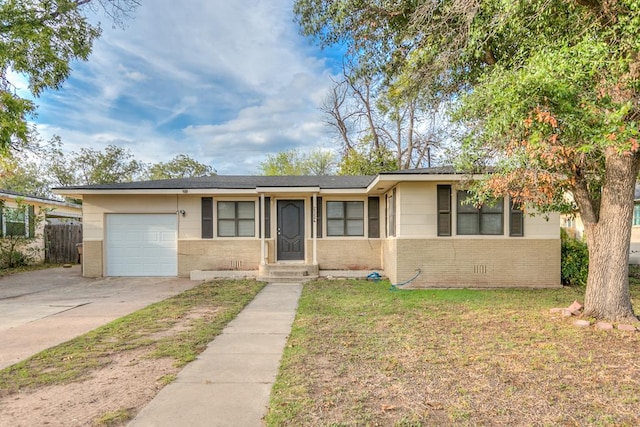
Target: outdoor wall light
182, 212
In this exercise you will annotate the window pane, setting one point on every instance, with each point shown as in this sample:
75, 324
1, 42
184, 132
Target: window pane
335, 210
491, 223
468, 224
246, 210
355, 227
335, 227
226, 228
226, 210
495, 207
15, 222
246, 228
355, 210
15, 229
463, 205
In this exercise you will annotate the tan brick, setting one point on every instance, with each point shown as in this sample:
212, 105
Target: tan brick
476, 262
92, 258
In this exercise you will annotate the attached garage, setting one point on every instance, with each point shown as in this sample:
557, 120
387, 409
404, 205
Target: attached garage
141, 245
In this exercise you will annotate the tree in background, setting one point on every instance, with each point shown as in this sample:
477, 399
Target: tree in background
547, 91
295, 163
20, 173
89, 166
40, 39
181, 166
363, 159
372, 121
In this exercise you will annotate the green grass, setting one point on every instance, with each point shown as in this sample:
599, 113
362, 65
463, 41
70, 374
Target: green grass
72, 360
360, 354
115, 418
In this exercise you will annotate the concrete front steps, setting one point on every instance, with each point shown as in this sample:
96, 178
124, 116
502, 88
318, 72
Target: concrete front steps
287, 273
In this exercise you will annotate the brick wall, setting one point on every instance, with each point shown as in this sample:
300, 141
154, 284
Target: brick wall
478, 262
217, 254
348, 254
92, 258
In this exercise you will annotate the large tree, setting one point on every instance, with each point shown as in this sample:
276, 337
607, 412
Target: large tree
548, 91
39, 39
370, 120
89, 166
181, 166
294, 162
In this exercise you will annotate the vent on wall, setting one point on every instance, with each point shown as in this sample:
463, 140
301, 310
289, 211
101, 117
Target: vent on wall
480, 269
236, 265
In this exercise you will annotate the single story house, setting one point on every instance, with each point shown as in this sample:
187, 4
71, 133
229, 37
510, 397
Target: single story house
395, 223
25, 215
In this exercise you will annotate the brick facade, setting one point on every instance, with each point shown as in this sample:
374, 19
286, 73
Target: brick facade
475, 262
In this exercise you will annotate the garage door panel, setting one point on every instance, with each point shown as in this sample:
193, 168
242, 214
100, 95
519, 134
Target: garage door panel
141, 245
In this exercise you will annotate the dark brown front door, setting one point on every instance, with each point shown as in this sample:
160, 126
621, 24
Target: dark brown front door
290, 230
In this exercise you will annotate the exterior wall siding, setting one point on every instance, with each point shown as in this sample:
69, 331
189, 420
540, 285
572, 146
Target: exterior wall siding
390, 259
479, 263
92, 255
217, 254
347, 254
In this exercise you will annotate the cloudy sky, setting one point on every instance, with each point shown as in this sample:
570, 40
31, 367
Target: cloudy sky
225, 82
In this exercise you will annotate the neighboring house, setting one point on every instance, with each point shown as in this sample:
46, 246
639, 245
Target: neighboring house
634, 249
24, 215
575, 228
392, 223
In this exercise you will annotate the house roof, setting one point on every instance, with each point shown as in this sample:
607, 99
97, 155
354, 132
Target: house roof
264, 184
10, 194
238, 182
440, 170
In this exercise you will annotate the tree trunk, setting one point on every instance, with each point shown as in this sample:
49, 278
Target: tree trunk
607, 294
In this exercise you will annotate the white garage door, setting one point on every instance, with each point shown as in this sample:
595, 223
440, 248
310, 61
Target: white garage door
141, 245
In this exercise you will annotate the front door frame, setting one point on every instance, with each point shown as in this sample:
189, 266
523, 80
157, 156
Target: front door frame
288, 233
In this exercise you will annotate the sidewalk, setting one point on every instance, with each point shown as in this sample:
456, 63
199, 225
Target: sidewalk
230, 382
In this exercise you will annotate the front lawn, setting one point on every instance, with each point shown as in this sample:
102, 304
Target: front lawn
362, 355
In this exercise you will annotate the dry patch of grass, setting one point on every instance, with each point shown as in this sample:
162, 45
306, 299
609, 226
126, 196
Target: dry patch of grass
360, 354
108, 374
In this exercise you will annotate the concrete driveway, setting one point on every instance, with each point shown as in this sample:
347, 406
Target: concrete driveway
43, 308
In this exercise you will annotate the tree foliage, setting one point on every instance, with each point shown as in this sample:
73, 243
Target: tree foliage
89, 166
365, 160
295, 163
40, 39
181, 166
545, 91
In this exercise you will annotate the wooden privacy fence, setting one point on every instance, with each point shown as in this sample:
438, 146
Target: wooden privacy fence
60, 243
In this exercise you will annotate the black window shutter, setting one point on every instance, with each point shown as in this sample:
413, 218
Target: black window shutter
516, 221
207, 217
391, 200
318, 218
267, 217
444, 210
374, 217
32, 221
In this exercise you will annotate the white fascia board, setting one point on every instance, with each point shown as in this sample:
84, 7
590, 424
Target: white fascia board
172, 191
40, 201
344, 191
391, 180
276, 190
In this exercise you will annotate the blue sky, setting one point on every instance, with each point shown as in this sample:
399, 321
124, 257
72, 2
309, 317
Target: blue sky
225, 82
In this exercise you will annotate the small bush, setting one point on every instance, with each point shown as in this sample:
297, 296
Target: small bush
574, 264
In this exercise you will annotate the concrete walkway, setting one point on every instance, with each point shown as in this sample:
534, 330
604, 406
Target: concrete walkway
43, 308
230, 382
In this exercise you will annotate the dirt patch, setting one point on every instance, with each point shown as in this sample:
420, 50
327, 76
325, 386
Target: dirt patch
129, 382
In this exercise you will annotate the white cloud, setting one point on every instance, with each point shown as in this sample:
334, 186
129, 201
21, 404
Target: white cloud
224, 82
